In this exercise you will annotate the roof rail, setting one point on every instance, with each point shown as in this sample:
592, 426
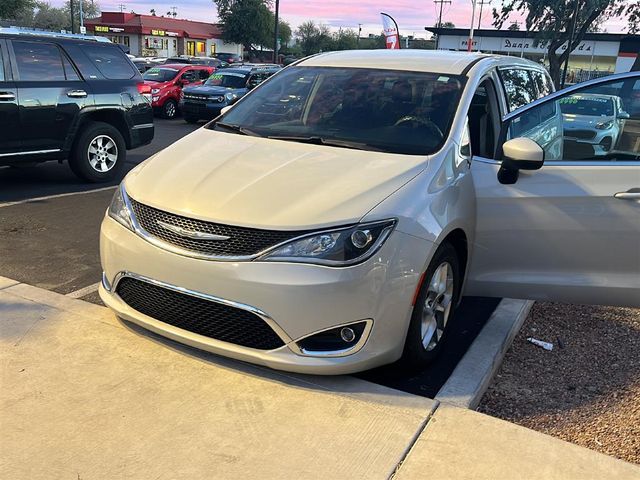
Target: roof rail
45, 33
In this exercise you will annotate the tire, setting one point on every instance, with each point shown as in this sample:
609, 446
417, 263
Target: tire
170, 109
106, 160
424, 323
190, 119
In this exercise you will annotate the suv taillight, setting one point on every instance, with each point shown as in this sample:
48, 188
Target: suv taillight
145, 91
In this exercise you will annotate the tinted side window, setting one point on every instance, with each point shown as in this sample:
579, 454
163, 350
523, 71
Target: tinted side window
69, 71
111, 61
38, 61
1, 64
204, 74
518, 86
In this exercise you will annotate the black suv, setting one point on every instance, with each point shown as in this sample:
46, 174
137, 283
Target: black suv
70, 97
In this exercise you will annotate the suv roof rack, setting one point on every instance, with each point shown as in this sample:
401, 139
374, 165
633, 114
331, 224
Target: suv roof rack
46, 33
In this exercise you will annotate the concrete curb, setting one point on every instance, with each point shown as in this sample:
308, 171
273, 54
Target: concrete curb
473, 374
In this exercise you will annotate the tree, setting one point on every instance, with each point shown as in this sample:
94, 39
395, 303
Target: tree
514, 26
247, 22
11, 9
344, 39
552, 21
284, 31
313, 38
447, 25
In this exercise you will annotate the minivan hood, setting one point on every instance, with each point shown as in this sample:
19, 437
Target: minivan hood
272, 184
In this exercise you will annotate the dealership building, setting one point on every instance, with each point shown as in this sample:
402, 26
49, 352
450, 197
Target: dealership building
152, 36
597, 55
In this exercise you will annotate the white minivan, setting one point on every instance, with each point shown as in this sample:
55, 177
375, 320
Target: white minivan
331, 220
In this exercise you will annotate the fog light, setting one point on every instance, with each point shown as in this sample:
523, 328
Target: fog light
347, 334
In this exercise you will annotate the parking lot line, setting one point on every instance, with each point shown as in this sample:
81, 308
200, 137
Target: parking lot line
40, 199
84, 291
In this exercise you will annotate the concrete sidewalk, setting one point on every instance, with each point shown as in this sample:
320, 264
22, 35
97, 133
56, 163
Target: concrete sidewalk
85, 396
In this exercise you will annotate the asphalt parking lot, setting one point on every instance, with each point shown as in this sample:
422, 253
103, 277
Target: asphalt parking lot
49, 226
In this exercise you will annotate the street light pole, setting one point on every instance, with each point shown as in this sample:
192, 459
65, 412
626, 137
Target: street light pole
473, 17
275, 40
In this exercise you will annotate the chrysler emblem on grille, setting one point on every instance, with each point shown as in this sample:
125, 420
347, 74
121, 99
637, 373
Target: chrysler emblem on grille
186, 233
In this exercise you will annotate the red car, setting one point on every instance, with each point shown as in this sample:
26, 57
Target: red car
166, 82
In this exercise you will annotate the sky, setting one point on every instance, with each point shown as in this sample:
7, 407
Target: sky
412, 16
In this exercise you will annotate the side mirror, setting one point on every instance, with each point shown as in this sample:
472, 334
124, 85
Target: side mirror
519, 154
224, 110
623, 115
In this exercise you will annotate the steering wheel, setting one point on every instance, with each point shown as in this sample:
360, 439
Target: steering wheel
416, 121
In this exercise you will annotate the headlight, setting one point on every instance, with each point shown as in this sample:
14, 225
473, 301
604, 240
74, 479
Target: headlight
604, 125
118, 210
155, 91
336, 248
230, 97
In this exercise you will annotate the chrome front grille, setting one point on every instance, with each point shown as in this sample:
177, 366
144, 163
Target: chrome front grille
241, 242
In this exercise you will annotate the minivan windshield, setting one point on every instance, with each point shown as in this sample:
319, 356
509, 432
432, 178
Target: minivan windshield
227, 80
369, 109
160, 74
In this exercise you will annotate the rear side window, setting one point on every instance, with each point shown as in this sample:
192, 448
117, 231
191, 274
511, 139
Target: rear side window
38, 61
204, 74
69, 71
111, 61
543, 83
518, 86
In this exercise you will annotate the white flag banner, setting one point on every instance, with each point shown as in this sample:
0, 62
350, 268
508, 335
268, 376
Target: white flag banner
391, 33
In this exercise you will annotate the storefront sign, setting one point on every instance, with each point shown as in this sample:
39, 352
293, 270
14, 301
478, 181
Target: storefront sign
158, 33
106, 29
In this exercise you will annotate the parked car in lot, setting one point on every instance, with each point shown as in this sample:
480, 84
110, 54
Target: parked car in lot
230, 58
210, 62
143, 64
331, 220
70, 97
222, 89
593, 119
167, 81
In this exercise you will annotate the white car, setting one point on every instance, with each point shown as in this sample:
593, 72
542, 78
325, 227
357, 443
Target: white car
330, 221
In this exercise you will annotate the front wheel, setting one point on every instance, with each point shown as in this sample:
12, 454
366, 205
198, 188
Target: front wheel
170, 109
433, 309
99, 153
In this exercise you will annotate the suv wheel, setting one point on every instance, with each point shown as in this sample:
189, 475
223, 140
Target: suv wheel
434, 308
170, 109
99, 153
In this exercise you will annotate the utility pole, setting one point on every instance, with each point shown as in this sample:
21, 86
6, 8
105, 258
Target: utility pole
174, 12
275, 40
573, 32
72, 16
359, 33
482, 3
122, 7
439, 24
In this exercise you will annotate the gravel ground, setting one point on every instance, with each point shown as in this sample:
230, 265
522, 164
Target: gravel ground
585, 391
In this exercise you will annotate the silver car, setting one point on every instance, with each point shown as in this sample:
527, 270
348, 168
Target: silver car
593, 119
331, 220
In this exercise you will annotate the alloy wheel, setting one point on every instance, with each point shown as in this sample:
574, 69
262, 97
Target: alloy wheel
102, 153
437, 306
170, 109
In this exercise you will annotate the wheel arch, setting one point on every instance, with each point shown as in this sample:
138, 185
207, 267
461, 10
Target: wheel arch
113, 117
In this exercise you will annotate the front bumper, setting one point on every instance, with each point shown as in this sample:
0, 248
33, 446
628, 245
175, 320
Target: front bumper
202, 110
299, 299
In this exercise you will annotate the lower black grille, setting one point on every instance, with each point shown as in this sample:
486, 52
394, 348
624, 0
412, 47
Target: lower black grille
581, 134
197, 315
243, 241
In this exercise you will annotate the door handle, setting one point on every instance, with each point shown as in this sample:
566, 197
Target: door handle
7, 96
632, 194
76, 94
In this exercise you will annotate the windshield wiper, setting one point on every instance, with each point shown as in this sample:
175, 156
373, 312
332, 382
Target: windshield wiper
237, 129
332, 142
